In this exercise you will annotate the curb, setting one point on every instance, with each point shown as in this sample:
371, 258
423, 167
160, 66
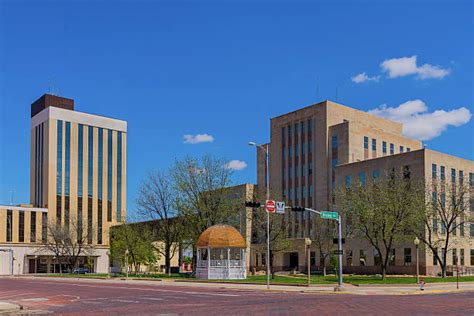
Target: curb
9, 307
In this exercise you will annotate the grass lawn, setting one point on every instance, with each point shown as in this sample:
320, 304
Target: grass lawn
282, 279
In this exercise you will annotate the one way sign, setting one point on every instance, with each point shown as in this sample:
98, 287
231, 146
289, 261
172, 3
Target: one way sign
280, 207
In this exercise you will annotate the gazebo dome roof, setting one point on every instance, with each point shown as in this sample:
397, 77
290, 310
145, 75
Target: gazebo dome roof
221, 236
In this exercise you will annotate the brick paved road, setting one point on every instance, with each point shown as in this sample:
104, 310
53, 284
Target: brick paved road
100, 297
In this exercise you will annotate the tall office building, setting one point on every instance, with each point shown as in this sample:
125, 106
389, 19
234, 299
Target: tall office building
77, 174
314, 148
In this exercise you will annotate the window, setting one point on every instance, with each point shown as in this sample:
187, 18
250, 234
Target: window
310, 168
303, 146
312, 260
443, 228
44, 227
461, 178
376, 257
59, 165
80, 183
119, 176
453, 175
362, 257
392, 149
461, 229
443, 200
296, 150
310, 190
290, 151
349, 258
310, 147
303, 192
297, 193
296, 130
348, 181
407, 256
435, 225
9, 225
461, 252
283, 173
408, 149
453, 228
471, 230
455, 256
291, 193
366, 142
391, 258
296, 173
21, 226
283, 153
472, 257
362, 178
374, 144
384, 148
291, 172
435, 261
100, 195
406, 172
433, 171
33, 227
334, 141
471, 179
289, 131
401, 149
283, 132
310, 126
109, 175
302, 128
441, 171
302, 170
90, 173
376, 174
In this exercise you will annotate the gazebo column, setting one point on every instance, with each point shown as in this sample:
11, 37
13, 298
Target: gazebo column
208, 262
228, 263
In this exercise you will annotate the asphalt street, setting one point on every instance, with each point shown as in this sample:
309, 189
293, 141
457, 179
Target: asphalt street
80, 297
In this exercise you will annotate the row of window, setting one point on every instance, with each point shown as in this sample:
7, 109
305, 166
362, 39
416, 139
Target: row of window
362, 177
39, 161
384, 146
297, 196
21, 226
90, 173
308, 123
442, 174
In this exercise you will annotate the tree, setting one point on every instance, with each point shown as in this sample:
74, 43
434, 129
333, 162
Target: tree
380, 211
441, 212
67, 242
278, 234
157, 200
137, 239
324, 232
202, 195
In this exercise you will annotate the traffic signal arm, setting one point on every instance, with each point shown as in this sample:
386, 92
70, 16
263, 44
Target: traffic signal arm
252, 204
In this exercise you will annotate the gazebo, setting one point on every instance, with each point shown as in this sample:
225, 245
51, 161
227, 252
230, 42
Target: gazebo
221, 254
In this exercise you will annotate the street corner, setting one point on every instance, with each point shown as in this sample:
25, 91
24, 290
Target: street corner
7, 308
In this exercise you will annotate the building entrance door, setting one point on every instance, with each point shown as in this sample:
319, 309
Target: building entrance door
293, 260
31, 266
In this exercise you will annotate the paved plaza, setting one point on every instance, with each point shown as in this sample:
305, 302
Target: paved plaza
120, 297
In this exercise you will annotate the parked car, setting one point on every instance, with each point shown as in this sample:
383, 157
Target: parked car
80, 271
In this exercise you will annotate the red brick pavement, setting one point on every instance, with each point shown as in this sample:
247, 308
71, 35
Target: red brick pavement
98, 298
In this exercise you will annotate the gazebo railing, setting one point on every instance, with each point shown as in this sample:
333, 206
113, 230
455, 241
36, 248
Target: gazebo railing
221, 263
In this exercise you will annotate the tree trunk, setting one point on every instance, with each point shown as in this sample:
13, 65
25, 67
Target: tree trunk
168, 259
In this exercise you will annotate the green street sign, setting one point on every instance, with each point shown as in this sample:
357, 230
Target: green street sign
329, 215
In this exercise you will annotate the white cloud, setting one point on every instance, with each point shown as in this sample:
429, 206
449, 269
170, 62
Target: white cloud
405, 66
362, 77
199, 138
236, 165
420, 124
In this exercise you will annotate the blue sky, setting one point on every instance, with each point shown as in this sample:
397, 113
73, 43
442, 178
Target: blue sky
223, 69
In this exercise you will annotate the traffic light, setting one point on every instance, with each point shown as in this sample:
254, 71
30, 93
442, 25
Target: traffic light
252, 204
297, 209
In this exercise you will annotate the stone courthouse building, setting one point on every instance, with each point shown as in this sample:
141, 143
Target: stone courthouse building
77, 171
314, 149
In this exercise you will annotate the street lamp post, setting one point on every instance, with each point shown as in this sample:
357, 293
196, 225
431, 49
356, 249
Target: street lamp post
126, 262
417, 242
308, 258
267, 177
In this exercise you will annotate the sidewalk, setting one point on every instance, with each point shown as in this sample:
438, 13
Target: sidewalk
9, 307
366, 289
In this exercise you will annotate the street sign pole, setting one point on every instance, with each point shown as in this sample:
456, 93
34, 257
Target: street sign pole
337, 217
339, 248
